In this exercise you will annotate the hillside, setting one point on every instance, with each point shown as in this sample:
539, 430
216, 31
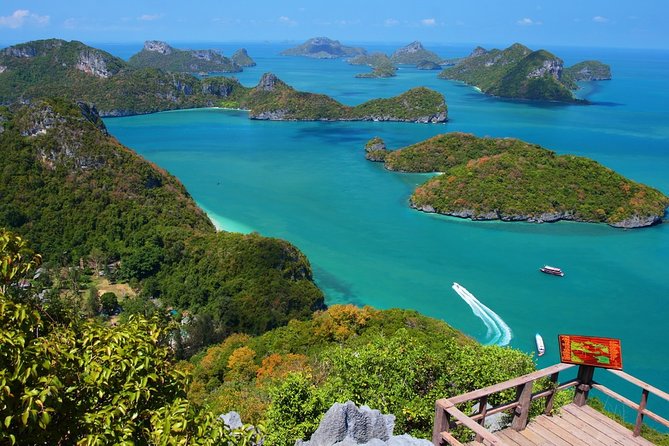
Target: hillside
77, 72
323, 48
241, 58
397, 360
510, 180
273, 99
76, 193
413, 54
380, 63
589, 70
157, 54
519, 73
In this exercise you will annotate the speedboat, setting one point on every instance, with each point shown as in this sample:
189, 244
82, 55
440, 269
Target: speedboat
541, 349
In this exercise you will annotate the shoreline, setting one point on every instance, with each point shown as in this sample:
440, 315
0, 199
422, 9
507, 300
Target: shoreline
225, 224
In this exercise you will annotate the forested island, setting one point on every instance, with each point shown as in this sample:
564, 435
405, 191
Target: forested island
380, 63
517, 72
79, 72
511, 180
157, 54
323, 48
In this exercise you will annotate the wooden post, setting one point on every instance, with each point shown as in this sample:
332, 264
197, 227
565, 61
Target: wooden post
483, 410
585, 374
639, 415
522, 411
551, 398
442, 421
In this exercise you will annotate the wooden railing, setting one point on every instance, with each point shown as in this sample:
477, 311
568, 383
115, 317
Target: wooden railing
448, 416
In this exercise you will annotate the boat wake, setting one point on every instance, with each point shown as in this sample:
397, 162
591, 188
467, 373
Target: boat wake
498, 332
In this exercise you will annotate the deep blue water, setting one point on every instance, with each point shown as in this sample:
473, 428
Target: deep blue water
309, 183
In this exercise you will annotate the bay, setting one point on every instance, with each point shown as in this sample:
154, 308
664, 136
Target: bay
309, 183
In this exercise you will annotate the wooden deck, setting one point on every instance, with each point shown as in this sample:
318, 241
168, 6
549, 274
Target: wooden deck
572, 426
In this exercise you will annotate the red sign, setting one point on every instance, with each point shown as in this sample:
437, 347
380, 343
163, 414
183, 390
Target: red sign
590, 350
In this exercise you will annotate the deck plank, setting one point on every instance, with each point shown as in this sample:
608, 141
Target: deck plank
593, 432
606, 425
566, 434
575, 431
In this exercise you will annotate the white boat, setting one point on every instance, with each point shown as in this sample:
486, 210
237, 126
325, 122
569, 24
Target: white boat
552, 270
541, 349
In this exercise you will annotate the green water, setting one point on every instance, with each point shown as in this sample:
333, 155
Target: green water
309, 183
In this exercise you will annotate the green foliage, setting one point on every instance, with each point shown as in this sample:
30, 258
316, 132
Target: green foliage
509, 179
16, 260
380, 63
518, 72
396, 361
83, 195
186, 61
53, 68
295, 411
413, 54
109, 302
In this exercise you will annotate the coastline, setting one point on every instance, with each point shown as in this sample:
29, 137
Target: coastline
225, 224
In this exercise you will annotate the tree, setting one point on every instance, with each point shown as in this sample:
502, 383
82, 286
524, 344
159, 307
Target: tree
109, 303
92, 304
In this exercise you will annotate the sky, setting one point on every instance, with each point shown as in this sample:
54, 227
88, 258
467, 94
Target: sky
601, 23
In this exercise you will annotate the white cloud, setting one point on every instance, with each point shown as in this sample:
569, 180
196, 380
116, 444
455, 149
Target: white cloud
149, 17
526, 21
391, 22
287, 21
600, 19
22, 16
428, 22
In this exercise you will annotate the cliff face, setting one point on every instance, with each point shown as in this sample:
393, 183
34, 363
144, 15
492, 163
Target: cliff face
93, 63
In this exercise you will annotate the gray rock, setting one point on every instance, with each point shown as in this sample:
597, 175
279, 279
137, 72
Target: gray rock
637, 221
158, 47
232, 420
346, 425
92, 62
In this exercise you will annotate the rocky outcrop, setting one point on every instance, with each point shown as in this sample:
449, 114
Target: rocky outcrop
637, 221
91, 62
552, 67
2, 69
268, 82
348, 425
158, 47
272, 115
232, 420
375, 150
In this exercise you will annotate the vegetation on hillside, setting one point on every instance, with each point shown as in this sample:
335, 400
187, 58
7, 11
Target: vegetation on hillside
80, 381
273, 99
518, 72
75, 71
413, 54
323, 48
380, 63
82, 198
508, 179
162, 56
396, 361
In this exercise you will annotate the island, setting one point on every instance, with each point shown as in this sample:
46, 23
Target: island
157, 54
413, 54
323, 48
428, 65
511, 180
380, 63
589, 70
241, 58
79, 72
517, 72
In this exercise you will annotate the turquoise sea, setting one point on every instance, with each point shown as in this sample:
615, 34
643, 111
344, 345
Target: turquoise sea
310, 184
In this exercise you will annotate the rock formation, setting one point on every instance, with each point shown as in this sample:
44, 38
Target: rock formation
347, 425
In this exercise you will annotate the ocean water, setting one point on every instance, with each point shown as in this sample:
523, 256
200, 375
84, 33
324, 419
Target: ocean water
309, 183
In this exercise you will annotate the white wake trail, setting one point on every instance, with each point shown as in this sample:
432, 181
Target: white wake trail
498, 332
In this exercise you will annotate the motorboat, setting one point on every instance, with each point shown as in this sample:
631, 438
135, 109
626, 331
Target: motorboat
541, 349
552, 270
